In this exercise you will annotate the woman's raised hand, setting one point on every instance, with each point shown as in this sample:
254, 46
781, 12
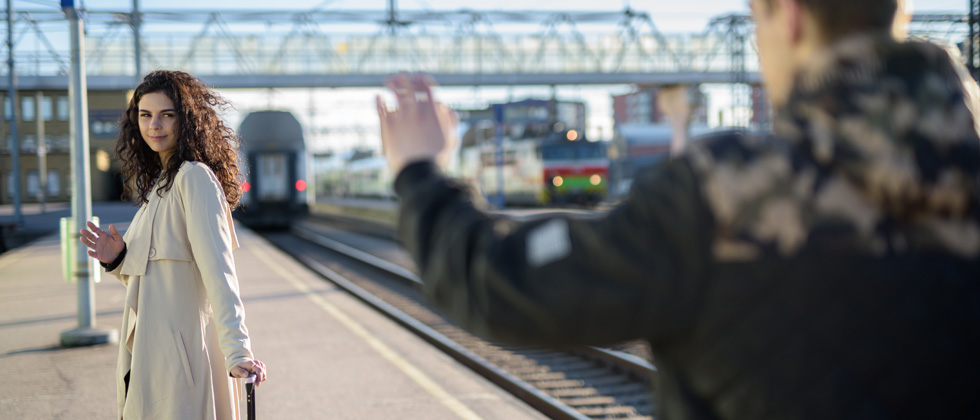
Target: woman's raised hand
103, 246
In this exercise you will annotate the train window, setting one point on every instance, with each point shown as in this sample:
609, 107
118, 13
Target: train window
272, 182
558, 152
591, 151
6, 108
571, 151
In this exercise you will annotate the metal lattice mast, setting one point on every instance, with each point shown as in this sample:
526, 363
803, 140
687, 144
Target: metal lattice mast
342, 48
972, 41
137, 39
737, 36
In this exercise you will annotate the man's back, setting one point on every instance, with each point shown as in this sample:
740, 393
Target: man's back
825, 336
846, 274
831, 271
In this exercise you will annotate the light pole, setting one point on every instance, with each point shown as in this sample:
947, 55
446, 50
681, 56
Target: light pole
42, 152
498, 153
137, 22
12, 96
85, 334
971, 58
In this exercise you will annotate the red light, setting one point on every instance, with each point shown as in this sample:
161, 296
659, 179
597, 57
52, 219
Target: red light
301, 185
246, 186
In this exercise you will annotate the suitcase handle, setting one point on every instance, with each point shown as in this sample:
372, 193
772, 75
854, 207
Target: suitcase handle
250, 396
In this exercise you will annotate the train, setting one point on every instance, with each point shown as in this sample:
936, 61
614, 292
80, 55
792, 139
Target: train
277, 170
361, 174
544, 157
561, 168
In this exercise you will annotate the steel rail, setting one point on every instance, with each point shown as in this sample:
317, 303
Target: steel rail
619, 359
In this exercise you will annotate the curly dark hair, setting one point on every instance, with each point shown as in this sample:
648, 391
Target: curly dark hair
201, 136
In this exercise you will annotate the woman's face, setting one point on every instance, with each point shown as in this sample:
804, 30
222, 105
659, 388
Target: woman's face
158, 123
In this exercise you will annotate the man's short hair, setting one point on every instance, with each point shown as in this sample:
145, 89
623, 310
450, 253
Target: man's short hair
838, 18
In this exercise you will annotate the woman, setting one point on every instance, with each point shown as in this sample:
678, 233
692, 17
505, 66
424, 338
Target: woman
182, 302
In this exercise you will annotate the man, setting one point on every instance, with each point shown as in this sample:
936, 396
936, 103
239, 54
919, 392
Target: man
832, 271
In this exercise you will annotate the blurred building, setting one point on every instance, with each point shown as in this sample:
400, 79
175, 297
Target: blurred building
527, 119
640, 107
105, 108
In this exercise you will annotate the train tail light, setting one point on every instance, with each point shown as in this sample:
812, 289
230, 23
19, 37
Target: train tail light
246, 186
300, 185
595, 179
557, 181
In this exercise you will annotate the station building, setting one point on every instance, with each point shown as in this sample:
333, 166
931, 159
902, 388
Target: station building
104, 107
640, 107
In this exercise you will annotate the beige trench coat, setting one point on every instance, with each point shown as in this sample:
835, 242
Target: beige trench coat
182, 304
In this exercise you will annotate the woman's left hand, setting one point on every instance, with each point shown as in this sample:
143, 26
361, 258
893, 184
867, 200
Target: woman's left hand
243, 369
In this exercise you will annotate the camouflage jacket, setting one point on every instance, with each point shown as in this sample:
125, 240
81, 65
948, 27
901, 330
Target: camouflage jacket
829, 271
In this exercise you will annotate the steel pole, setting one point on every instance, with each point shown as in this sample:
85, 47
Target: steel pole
81, 197
42, 154
12, 95
498, 142
137, 39
392, 14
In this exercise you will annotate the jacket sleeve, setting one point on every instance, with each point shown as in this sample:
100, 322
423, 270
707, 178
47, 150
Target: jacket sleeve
210, 238
636, 272
115, 267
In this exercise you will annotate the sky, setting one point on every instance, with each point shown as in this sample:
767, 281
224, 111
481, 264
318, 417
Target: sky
338, 119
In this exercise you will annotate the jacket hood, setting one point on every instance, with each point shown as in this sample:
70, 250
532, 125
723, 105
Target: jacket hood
876, 151
893, 118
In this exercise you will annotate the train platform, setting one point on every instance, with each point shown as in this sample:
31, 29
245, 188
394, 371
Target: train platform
329, 355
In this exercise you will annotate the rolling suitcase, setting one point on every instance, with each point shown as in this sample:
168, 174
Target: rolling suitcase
247, 390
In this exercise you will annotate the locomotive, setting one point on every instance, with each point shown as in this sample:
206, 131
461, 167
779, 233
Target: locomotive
561, 168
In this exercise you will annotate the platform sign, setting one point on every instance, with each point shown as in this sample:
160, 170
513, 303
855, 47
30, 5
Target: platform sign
69, 235
67, 226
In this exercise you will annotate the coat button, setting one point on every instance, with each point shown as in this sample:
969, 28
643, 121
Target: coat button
153, 252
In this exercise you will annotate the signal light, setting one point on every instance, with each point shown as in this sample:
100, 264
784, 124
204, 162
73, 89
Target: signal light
572, 135
300, 185
246, 186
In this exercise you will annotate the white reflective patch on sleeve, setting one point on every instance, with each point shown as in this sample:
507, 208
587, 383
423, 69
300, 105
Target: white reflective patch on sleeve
548, 242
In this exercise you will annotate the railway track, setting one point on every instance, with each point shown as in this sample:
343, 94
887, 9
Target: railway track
580, 383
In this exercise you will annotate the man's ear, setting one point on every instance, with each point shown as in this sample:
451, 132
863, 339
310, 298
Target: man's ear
793, 19
903, 18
